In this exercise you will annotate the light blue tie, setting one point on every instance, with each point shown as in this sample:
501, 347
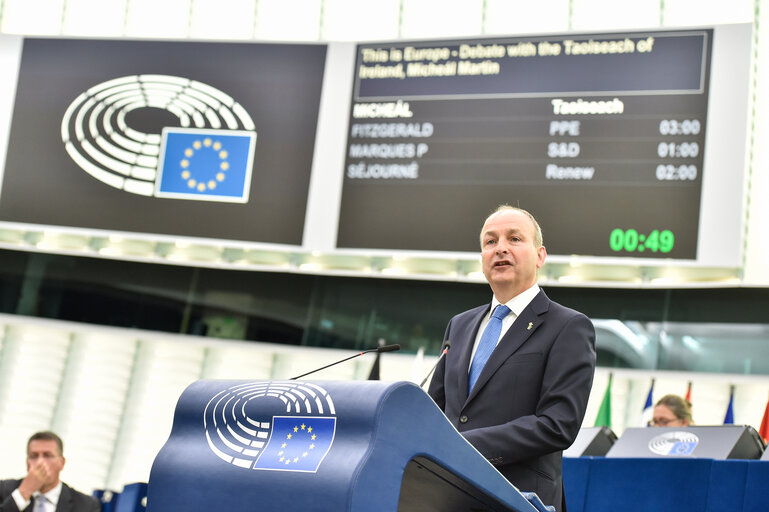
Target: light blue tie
40, 503
488, 343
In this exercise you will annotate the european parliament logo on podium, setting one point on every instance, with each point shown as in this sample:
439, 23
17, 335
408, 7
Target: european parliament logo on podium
277, 426
677, 443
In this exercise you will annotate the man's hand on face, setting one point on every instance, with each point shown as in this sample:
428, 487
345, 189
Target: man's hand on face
44, 463
39, 473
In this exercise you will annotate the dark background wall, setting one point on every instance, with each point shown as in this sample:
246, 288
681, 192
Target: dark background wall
312, 310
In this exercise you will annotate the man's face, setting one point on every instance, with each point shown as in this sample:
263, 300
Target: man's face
509, 255
43, 451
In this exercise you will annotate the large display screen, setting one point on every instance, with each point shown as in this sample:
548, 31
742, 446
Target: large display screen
601, 136
629, 147
210, 140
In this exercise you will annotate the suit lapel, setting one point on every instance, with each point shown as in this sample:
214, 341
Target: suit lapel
65, 500
468, 332
523, 327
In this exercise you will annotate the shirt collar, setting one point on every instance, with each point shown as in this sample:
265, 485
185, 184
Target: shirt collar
53, 494
518, 303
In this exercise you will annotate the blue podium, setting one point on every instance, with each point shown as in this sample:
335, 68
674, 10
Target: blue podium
321, 446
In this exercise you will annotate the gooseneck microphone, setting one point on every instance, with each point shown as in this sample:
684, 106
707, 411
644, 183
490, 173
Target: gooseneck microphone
378, 350
446, 347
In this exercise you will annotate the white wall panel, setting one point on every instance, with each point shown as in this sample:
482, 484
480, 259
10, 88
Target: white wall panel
32, 366
356, 20
150, 18
32, 17
288, 20
214, 19
588, 15
164, 368
93, 398
94, 18
757, 241
239, 361
682, 13
506, 17
424, 19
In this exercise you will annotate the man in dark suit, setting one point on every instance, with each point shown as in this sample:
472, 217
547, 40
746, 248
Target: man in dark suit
518, 394
45, 460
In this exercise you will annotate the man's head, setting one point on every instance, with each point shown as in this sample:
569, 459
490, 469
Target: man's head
511, 251
46, 448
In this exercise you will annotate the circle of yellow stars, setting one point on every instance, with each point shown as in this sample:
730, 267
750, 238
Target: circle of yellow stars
303, 428
224, 165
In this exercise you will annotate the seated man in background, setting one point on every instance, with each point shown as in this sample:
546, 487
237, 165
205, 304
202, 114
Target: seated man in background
672, 411
41, 490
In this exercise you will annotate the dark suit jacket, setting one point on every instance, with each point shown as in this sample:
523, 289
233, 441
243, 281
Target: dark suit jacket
530, 398
70, 500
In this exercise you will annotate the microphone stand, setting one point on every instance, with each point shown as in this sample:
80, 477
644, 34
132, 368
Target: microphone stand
446, 348
386, 348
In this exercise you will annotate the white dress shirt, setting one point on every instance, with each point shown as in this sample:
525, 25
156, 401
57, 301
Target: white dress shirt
52, 498
517, 304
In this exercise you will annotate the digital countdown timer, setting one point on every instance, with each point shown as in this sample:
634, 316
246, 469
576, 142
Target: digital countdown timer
630, 241
601, 136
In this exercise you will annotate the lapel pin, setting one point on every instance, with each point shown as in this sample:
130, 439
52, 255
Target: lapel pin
531, 324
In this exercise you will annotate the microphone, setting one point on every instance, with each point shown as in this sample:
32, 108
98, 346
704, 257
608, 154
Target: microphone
378, 350
446, 347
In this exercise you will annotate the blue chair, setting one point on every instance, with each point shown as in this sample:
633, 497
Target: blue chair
132, 499
107, 498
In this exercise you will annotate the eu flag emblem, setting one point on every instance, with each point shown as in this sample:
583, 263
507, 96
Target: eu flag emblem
297, 443
205, 164
682, 448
